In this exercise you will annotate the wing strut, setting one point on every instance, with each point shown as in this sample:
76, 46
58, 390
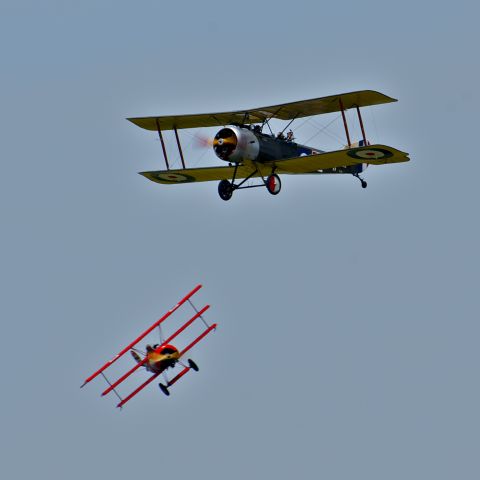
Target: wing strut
163, 143
179, 147
361, 125
144, 334
344, 121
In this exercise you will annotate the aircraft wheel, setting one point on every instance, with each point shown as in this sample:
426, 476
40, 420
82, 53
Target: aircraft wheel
225, 190
164, 389
364, 184
273, 184
192, 365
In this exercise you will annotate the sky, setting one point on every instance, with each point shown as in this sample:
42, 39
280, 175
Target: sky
347, 344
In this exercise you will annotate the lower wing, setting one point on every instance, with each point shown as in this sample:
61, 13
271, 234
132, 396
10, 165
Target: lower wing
372, 154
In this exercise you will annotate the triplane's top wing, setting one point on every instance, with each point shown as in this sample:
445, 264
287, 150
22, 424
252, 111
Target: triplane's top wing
158, 367
284, 111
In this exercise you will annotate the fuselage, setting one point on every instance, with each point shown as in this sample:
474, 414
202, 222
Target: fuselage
160, 359
240, 143
236, 144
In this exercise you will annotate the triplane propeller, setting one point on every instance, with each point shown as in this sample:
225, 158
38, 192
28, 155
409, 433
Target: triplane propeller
159, 357
250, 152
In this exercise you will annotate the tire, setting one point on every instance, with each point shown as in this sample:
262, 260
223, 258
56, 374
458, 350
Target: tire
225, 190
164, 389
192, 365
273, 184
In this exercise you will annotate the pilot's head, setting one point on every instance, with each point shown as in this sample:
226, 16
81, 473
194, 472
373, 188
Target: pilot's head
149, 348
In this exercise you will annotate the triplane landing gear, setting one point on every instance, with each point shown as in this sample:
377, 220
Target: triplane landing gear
226, 188
191, 365
164, 389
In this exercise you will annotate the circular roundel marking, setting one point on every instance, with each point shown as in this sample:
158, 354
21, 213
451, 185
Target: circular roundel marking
369, 153
174, 177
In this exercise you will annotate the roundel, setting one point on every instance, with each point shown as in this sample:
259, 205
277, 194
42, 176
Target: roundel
369, 153
174, 177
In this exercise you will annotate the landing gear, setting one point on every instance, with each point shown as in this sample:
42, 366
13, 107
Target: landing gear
362, 181
164, 389
192, 365
226, 187
225, 190
273, 184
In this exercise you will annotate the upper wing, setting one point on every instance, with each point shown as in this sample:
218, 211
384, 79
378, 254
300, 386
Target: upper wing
285, 111
373, 154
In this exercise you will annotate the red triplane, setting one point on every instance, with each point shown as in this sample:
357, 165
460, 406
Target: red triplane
159, 357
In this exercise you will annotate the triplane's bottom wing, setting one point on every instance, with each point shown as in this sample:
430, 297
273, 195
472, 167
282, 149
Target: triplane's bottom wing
372, 154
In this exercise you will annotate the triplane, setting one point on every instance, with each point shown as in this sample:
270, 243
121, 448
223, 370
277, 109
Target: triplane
252, 153
159, 357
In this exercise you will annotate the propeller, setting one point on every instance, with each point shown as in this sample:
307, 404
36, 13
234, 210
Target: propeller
225, 142
202, 141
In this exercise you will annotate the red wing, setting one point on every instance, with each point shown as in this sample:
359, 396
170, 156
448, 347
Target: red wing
200, 337
141, 387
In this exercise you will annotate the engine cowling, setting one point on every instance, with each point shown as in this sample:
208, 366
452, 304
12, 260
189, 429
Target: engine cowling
236, 144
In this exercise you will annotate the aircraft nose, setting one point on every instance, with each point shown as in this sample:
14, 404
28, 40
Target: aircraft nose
224, 143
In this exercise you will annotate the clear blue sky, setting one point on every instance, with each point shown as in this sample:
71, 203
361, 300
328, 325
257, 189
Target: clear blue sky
348, 339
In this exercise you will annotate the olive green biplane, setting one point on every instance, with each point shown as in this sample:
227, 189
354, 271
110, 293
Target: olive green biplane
250, 152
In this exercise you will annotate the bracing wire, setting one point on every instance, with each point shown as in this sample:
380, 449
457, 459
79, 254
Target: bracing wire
323, 130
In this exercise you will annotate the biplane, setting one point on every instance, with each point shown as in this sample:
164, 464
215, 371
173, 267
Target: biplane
157, 359
250, 152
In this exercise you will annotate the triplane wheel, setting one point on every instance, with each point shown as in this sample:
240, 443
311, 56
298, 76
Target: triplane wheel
225, 190
192, 365
364, 184
164, 389
273, 184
